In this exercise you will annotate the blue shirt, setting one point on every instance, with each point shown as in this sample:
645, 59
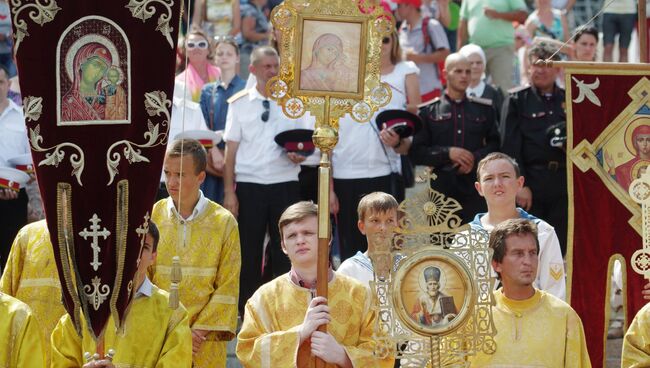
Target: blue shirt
214, 99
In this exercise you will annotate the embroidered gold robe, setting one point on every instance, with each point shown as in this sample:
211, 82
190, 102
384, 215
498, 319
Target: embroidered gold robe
210, 261
636, 345
21, 343
31, 276
269, 337
154, 336
542, 331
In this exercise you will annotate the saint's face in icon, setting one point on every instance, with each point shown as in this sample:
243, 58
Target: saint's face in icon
327, 54
642, 145
433, 287
93, 69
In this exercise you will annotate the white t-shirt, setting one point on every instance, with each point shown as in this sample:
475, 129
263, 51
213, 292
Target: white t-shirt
358, 267
359, 152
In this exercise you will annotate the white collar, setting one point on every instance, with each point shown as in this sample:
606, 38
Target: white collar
478, 90
198, 209
145, 289
254, 94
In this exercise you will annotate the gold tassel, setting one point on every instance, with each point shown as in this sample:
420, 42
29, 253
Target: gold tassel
176, 277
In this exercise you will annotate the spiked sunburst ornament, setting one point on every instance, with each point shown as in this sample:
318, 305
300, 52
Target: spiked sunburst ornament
431, 254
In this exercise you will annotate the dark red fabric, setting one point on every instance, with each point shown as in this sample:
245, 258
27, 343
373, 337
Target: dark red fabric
152, 64
600, 220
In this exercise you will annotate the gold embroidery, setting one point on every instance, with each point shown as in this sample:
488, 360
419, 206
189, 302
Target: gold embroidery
121, 231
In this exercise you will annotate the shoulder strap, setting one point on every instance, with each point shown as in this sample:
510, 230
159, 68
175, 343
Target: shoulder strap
425, 34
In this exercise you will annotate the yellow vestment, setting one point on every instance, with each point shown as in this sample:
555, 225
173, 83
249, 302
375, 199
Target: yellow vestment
21, 344
636, 345
542, 331
31, 276
269, 337
154, 335
210, 260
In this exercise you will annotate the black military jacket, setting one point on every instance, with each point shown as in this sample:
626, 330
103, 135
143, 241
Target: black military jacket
469, 123
526, 117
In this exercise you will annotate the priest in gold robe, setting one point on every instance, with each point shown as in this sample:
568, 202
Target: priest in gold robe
206, 238
31, 276
534, 328
153, 334
282, 317
636, 344
21, 343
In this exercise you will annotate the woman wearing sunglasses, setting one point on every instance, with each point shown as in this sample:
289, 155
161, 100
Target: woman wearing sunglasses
199, 70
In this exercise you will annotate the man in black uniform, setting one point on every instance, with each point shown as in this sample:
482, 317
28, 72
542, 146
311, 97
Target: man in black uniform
529, 112
457, 132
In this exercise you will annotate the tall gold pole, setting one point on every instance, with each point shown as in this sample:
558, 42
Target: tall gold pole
643, 33
325, 138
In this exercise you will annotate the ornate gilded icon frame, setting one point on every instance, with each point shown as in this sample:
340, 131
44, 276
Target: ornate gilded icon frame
328, 106
361, 39
430, 232
441, 260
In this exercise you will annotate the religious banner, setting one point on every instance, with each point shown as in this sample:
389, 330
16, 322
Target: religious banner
96, 79
608, 140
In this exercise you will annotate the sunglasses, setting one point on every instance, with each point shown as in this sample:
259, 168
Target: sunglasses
200, 44
267, 111
385, 40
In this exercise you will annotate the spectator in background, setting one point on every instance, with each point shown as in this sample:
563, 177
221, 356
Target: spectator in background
545, 21
528, 113
217, 17
256, 31
477, 85
214, 105
424, 43
6, 36
436, 9
585, 44
457, 132
200, 70
489, 25
619, 19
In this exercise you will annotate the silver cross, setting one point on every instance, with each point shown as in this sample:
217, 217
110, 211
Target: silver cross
95, 233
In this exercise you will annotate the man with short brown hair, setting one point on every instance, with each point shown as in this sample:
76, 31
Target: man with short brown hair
522, 311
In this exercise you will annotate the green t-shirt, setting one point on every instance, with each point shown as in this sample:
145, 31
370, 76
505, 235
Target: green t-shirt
486, 32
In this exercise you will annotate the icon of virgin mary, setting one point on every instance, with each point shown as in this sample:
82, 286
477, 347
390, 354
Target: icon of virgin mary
84, 101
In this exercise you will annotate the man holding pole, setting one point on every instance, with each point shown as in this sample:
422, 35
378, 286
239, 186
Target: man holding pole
282, 317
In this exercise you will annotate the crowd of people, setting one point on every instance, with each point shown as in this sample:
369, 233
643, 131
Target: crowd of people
483, 118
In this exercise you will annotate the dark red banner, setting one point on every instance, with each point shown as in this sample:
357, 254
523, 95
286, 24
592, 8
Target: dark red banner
96, 79
607, 114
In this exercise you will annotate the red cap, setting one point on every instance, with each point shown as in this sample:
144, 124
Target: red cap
415, 3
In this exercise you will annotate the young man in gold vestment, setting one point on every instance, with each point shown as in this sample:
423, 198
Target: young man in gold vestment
152, 334
282, 316
636, 344
30, 275
206, 238
21, 344
534, 328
